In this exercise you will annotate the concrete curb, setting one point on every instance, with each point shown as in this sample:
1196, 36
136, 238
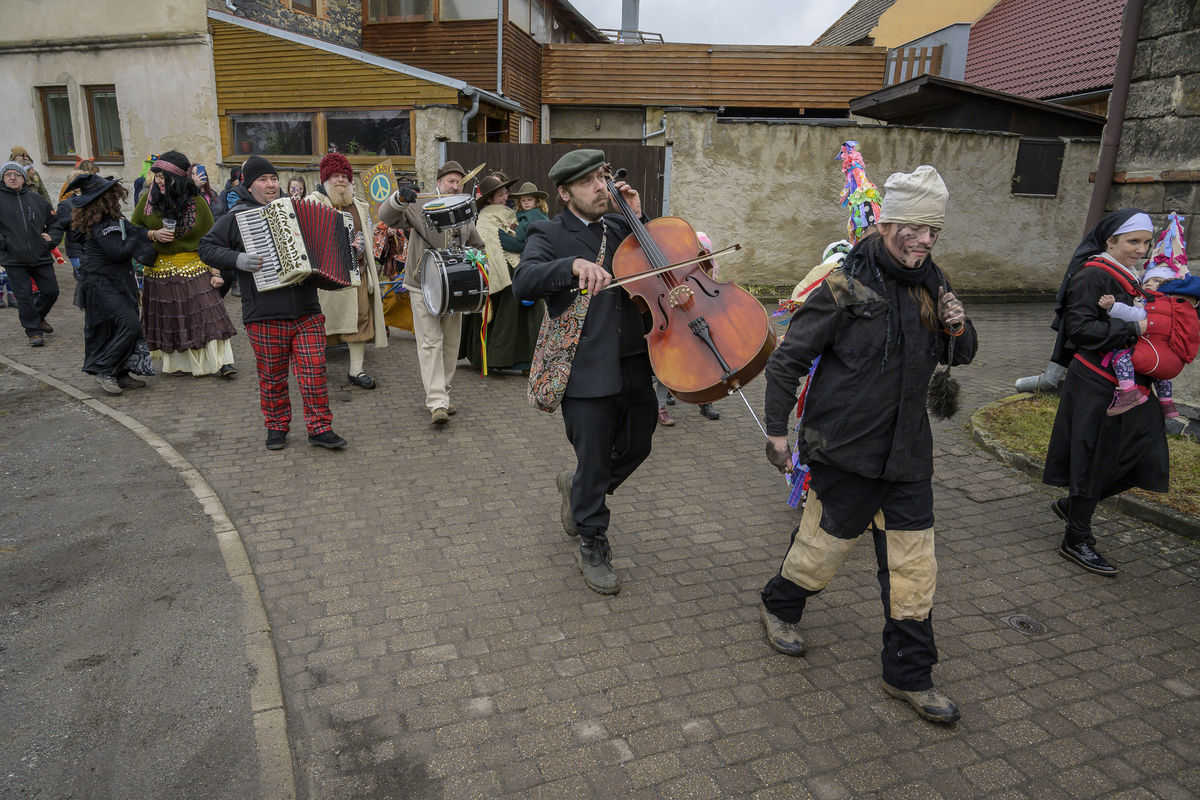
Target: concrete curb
276, 767
1136, 507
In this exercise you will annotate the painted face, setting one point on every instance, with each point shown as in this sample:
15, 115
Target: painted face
13, 180
296, 189
448, 183
526, 202
910, 245
588, 196
1129, 248
499, 197
265, 188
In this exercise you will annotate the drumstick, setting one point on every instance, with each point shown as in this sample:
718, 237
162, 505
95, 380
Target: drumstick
461, 183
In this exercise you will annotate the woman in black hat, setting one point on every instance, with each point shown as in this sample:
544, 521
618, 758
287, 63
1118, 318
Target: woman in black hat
512, 327
107, 287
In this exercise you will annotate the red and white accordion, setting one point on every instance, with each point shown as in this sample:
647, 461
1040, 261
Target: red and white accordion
300, 241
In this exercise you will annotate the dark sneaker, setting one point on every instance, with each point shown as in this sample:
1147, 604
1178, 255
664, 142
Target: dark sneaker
930, 703
707, 410
276, 440
46, 326
109, 384
362, 380
564, 481
670, 399
37, 340
595, 562
227, 371
783, 636
130, 382
1062, 508
1086, 556
329, 440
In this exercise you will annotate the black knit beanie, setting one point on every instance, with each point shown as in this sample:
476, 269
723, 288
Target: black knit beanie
254, 168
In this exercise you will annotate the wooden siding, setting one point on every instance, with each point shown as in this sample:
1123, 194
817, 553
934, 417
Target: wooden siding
256, 72
465, 50
709, 75
522, 78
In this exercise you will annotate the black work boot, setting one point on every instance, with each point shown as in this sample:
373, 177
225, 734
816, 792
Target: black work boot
1085, 555
563, 482
594, 558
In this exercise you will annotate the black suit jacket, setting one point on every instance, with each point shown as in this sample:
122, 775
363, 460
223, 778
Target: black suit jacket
615, 326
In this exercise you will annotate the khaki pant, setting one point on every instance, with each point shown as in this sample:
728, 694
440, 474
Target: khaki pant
437, 350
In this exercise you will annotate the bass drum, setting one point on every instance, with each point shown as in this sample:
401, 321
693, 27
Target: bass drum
449, 284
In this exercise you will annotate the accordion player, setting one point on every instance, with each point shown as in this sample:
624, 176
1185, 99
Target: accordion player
300, 241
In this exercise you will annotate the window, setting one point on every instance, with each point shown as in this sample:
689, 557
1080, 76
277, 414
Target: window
307, 6
1039, 162
466, 9
105, 124
56, 123
518, 13
369, 133
273, 134
399, 10
541, 21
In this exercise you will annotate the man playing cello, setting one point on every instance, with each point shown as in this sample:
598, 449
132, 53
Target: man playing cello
609, 407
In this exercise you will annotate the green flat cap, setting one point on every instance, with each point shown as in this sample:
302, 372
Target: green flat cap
575, 165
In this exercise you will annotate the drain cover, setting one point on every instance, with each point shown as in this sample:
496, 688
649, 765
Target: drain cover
1024, 623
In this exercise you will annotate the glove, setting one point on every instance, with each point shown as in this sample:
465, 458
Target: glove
407, 194
249, 262
780, 458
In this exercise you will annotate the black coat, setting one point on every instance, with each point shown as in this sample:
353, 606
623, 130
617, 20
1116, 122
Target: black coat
1090, 452
865, 411
24, 217
615, 327
220, 248
72, 239
110, 246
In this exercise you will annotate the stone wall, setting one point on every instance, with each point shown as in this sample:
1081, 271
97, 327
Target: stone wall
336, 21
774, 188
1158, 163
429, 125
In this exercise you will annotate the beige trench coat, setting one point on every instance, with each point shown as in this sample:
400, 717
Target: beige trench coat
500, 262
341, 307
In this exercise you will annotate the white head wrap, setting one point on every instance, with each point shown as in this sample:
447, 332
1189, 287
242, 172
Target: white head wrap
915, 198
1138, 222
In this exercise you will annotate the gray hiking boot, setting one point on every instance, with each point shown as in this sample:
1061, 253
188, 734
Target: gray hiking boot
783, 636
563, 482
929, 703
595, 562
109, 384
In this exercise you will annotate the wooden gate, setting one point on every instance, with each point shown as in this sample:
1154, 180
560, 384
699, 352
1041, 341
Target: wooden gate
532, 162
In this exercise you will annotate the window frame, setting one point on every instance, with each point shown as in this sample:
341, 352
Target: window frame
434, 15
320, 134
47, 129
89, 91
305, 6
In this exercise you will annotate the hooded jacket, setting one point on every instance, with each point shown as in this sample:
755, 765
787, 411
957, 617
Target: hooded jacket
24, 217
220, 248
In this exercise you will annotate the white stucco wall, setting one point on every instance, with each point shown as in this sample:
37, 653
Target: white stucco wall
774, 188
53, 20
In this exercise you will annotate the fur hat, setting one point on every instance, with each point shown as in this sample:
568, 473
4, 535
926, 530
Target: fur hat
255, 167
335, 164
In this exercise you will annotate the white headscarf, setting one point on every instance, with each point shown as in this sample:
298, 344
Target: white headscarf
1138, 222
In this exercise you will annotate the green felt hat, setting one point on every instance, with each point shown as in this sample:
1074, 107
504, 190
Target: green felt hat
575, 165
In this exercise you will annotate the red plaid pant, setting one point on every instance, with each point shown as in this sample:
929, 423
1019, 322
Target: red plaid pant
301, 342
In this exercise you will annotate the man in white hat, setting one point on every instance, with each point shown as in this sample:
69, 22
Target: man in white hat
880, 323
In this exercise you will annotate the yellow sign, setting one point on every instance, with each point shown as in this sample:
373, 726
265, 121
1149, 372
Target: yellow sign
378, 183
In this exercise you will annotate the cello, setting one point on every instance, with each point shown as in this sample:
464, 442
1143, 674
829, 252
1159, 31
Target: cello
708, 339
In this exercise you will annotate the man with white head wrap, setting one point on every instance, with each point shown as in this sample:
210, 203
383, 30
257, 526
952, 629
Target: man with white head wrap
880, 323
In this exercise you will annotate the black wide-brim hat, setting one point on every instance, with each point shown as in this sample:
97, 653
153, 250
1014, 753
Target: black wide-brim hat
494, 183
90, 187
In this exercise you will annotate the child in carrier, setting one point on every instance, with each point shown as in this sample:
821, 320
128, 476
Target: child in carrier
1127, 395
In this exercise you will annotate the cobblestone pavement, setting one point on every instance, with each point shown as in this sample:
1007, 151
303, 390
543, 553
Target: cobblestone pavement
436, 641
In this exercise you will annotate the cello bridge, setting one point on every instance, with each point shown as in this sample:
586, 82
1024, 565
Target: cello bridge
679, 295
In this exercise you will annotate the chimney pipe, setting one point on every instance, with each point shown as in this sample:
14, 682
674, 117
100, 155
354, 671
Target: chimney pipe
629, 20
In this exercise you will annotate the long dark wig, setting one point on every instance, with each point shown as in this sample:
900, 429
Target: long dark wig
178, 191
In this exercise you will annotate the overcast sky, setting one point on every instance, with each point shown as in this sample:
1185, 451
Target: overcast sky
724, 21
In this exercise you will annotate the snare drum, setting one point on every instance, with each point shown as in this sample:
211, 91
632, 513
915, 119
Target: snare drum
448, 212
450, 284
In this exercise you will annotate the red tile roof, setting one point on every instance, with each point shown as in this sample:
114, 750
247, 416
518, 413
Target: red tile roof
1046, 48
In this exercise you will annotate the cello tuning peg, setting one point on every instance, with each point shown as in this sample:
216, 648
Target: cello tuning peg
621, 173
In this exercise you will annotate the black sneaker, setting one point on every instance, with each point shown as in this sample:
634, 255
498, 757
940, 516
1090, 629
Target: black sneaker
227, 371
127, 381
595, 562
362, 380
276, 440
37, 340
707, 410
1085, 555
329, 440
1062, 507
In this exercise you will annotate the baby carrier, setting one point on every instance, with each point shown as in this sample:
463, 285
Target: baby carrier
1172, 335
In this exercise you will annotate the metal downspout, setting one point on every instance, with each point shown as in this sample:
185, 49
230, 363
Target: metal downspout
499, 48
470, 115
1116, 113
